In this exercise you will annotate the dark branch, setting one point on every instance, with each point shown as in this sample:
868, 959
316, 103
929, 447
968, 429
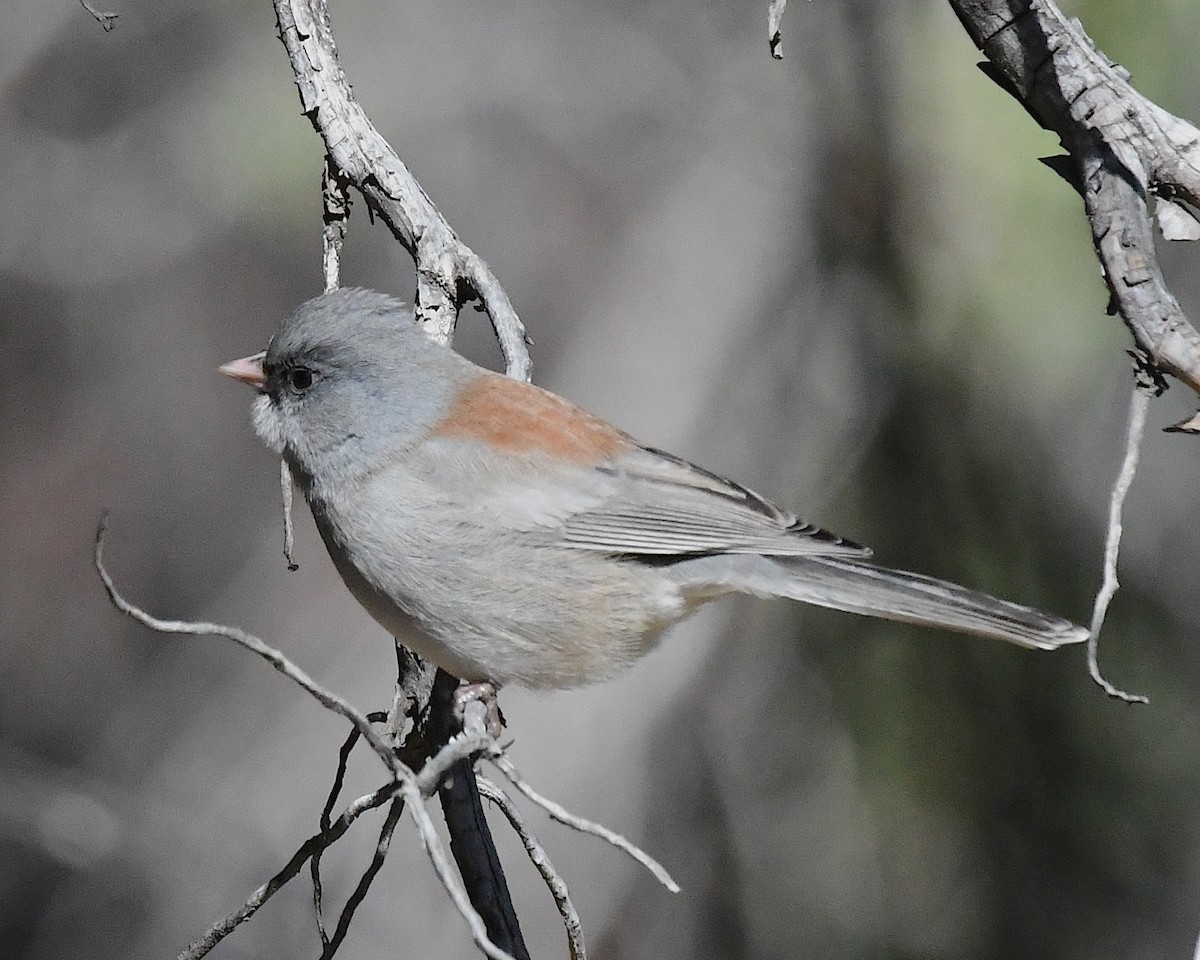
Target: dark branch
470, 837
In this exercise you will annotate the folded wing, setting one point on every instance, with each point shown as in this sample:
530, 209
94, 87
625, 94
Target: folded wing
660, 505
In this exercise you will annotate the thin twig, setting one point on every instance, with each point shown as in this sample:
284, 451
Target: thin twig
222, 928
1138, 405
289, 531
541, 860
382, 845
415, 790
563, 816
255, 645
339, 779
107, 20
774, 21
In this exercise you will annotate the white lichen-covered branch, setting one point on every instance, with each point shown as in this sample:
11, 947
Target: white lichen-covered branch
1129, 159
449, 272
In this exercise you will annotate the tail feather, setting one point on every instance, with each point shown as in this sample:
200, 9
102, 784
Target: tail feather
859, 586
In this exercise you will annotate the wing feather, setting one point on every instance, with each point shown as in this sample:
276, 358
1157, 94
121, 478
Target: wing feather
662, 505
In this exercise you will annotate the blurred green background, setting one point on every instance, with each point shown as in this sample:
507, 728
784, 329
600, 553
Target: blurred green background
842, 279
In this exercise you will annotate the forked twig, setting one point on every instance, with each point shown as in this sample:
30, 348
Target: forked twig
454, 887
382, 845
565, 817
413, 789
541, 861
339, 780
225, 926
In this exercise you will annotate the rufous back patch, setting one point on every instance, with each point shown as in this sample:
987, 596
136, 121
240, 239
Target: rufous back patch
520, 418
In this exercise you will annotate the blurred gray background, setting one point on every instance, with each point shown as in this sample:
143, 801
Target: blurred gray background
842, 279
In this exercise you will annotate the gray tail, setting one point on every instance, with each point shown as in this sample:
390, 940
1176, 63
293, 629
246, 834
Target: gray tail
859, 586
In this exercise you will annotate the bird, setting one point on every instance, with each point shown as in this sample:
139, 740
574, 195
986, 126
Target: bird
508, 536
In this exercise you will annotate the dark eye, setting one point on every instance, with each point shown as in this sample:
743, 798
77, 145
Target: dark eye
300, 378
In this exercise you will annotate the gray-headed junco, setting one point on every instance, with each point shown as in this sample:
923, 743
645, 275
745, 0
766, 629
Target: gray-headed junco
509, 536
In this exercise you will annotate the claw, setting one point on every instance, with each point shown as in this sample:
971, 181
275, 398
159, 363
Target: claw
485, 693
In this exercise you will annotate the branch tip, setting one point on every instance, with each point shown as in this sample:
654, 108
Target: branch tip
106, 19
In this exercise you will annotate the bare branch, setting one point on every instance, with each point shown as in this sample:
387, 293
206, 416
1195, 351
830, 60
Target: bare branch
339, 779
252, 643
541, 860
413, 790
1187, 425
774, 22
107, 20
1138, 405
1124, 149
222, 928
367, 161
382, 845
414, 685
286, 489
563, 816
335, 198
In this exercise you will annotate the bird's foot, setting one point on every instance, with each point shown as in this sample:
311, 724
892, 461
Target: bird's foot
485, 693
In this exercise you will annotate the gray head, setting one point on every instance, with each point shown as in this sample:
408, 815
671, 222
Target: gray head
348, 377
